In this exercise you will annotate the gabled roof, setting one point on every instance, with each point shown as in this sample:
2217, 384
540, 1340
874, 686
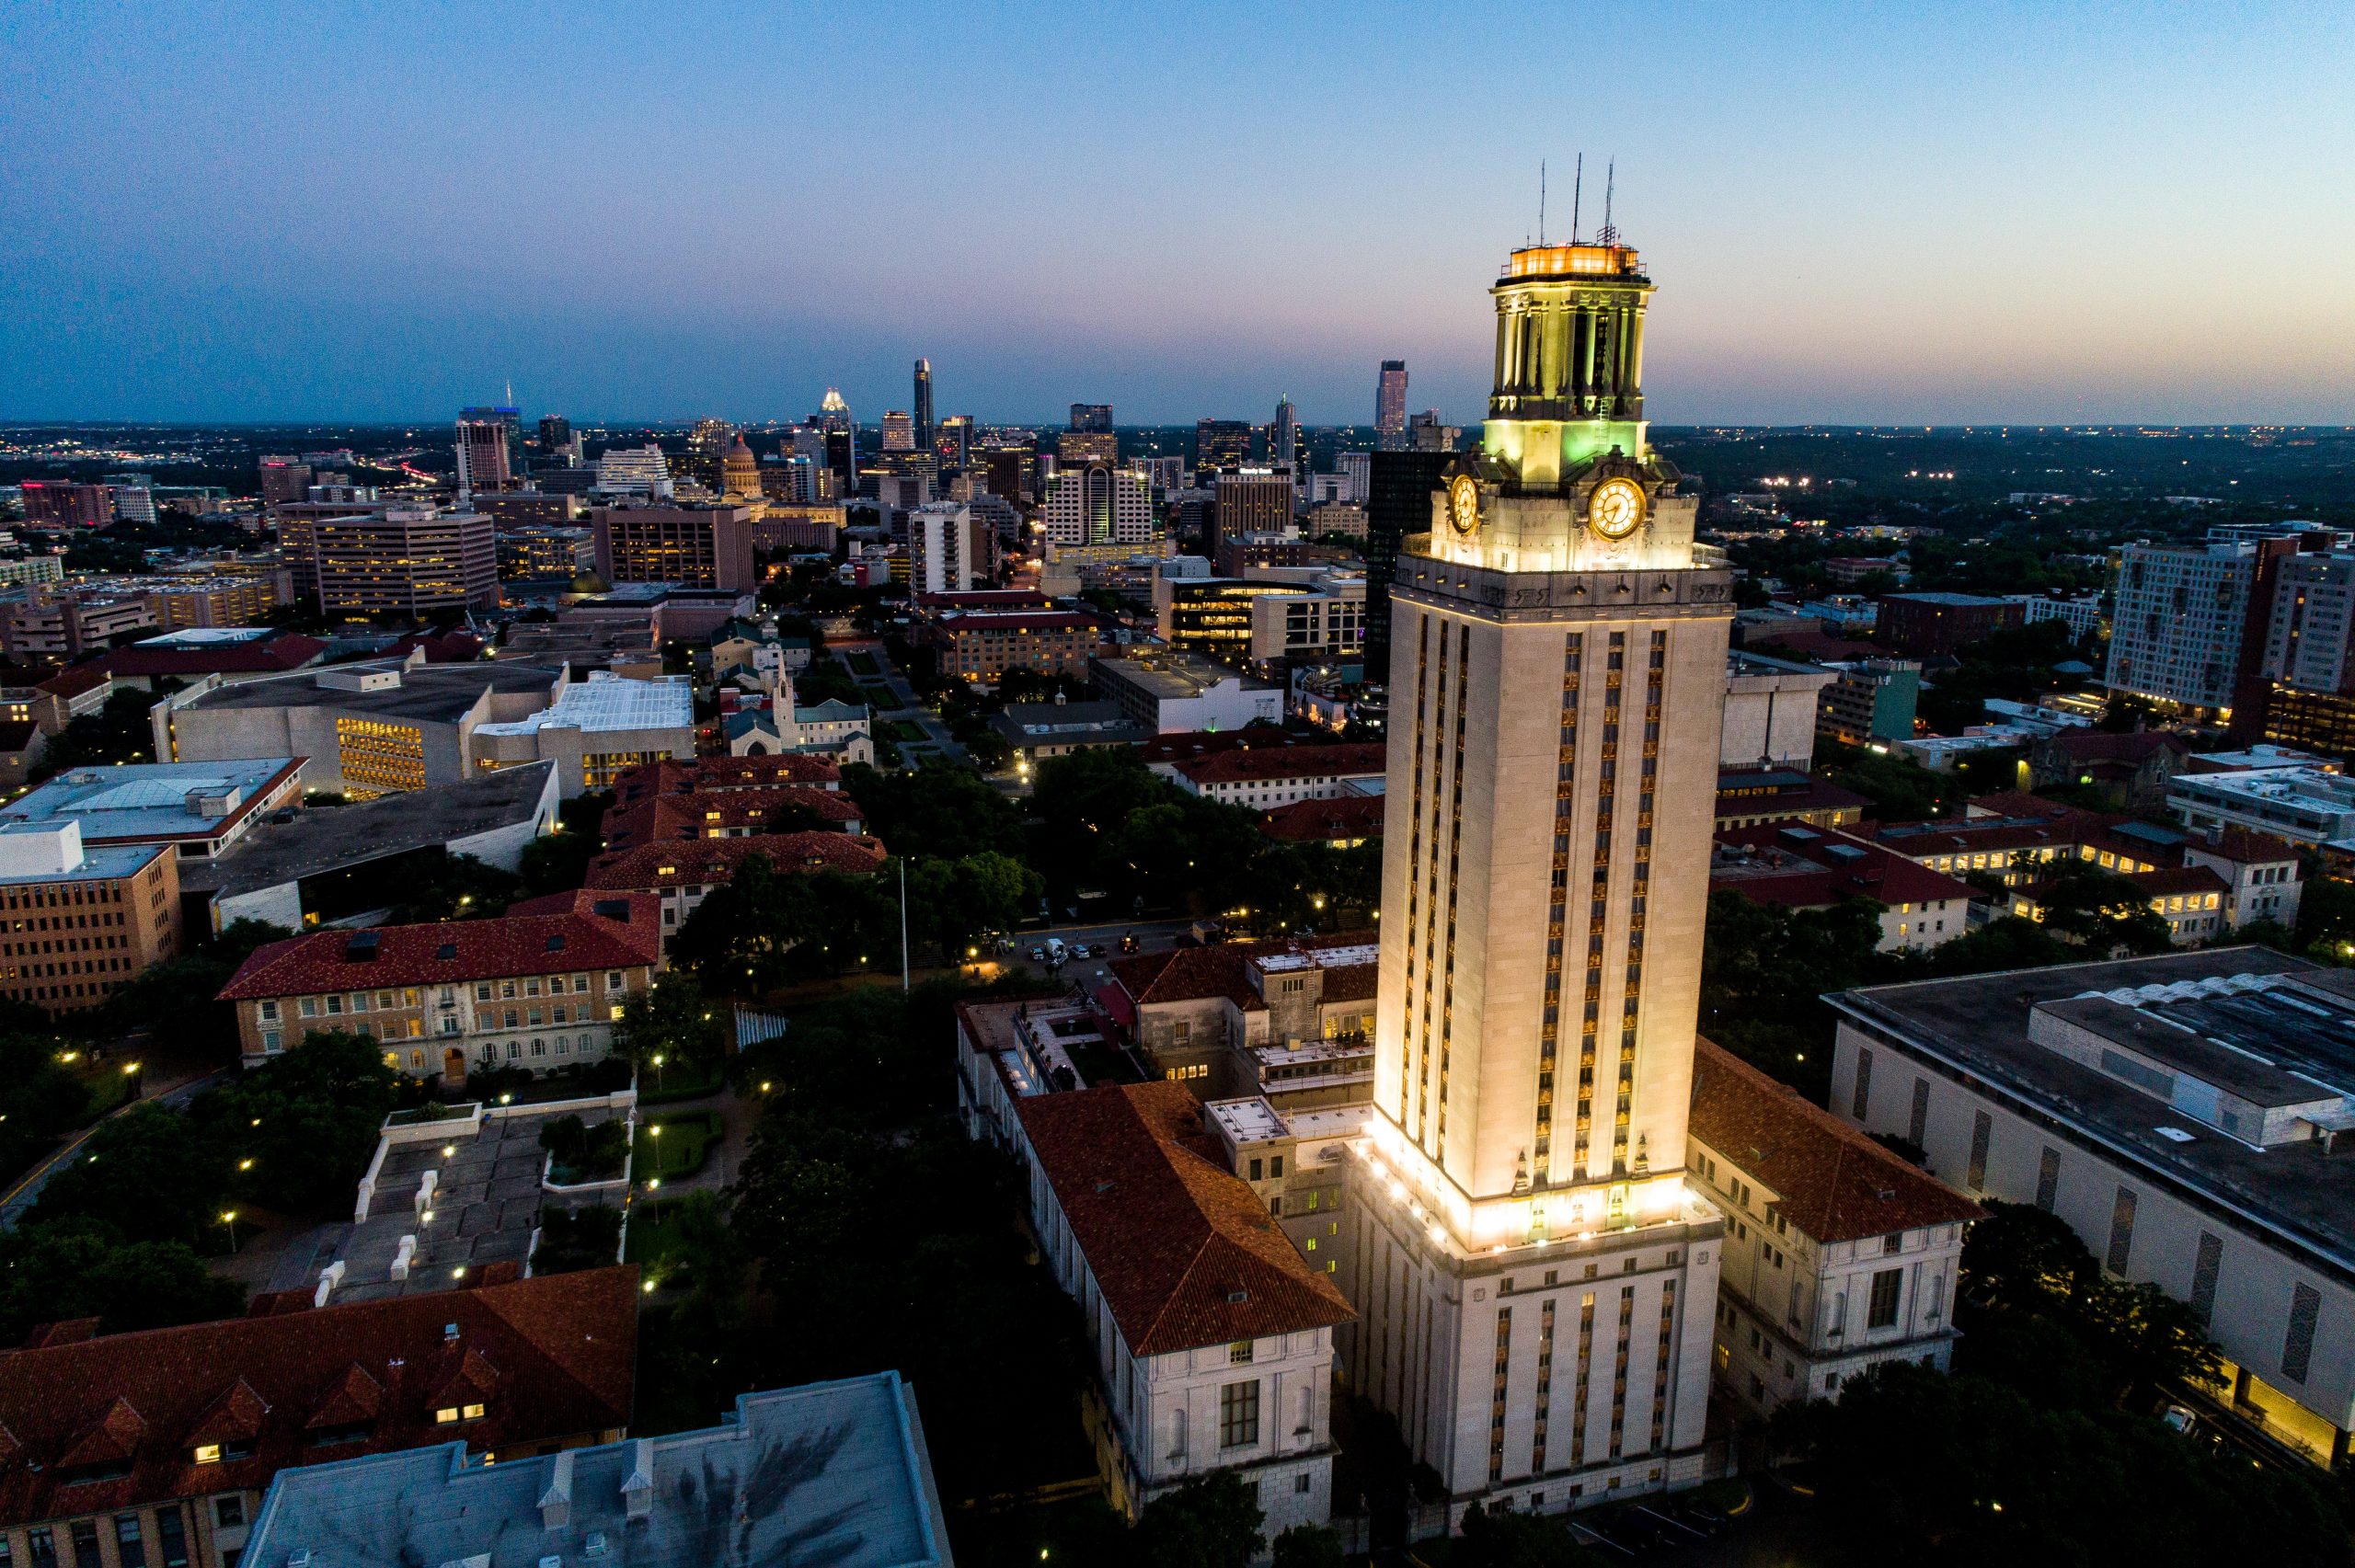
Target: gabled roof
2243, 846
650, 867
563, 1348
665, 818
1260, 764
1223, 969
673, 776
589, 932
1832, 1181
1183, 1250
2096, 746
1317, 821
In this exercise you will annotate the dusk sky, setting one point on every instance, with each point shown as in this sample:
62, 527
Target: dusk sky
1893, 214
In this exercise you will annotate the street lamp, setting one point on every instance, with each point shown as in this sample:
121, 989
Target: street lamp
656, 1134
229, 1217
658, 1072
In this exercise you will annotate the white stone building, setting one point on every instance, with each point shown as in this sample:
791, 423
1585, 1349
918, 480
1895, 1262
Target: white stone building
1213, 1334
1840, 1256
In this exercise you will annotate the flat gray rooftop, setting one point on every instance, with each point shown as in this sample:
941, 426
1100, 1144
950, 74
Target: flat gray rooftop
2210, 1039
431, 691
323, 839
1979, 1025
829, 1474
488, 1202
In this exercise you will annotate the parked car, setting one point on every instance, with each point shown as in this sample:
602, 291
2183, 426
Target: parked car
1129, 943
1038, 955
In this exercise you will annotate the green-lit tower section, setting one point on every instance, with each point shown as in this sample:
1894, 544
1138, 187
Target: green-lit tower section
1569, 359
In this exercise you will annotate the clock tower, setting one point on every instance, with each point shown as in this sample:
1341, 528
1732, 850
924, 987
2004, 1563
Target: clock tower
1535, 1280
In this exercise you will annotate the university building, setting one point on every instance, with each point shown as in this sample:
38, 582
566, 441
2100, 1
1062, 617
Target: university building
1535, 1275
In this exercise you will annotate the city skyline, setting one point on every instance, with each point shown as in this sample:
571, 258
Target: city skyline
1843, 203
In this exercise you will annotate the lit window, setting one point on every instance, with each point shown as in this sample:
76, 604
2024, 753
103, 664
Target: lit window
446, 1414
208, 1453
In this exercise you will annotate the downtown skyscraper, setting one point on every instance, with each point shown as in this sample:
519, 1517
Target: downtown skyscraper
924, 405
1390, 407
1536, 1280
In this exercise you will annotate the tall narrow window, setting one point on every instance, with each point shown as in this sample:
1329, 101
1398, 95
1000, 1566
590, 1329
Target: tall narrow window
1864, 1095
1918, 1130
2121, 1232
1882, 1311
2298, 1346
2048, 1179
1238, 1415
1982, 1128
2203, 1274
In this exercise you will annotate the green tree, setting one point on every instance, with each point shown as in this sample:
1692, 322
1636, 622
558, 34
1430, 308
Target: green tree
1501, 1538
953, 903
300, 1129
1210, 1521
1309, 1546
674, 1019
765, 928
1900, 788
83, 1269
142, 1174
2327, 919
2102, 912
181, 996
940, 811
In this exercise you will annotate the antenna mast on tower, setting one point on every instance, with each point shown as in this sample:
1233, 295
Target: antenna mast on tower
1610, 183
1578, 187
1541, 201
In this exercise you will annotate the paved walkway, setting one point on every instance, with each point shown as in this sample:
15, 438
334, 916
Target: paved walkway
910, 708
27, 1191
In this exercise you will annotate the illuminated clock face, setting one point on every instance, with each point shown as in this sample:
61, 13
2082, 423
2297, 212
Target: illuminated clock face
1464, 503
1616, 508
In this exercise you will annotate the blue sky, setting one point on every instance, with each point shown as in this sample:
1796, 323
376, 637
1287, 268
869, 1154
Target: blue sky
1867, 214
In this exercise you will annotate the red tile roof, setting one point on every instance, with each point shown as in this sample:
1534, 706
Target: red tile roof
1801, 874
652, 867
1260, 764
2243, 847
1321, 822
2162, 883
1182, 744
1830, 1181
68, 684
2096, 746
1182, 1249
263, 654
1198, 974
673, 776
667, 819
594, 931
980, 623
548, 1358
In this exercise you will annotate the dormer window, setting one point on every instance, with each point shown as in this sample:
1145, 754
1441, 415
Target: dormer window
207, 1454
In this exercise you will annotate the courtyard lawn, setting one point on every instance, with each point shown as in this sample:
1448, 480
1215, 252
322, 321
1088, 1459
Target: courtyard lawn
680, 1149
